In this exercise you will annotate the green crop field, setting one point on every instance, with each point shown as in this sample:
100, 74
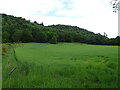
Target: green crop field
62, 65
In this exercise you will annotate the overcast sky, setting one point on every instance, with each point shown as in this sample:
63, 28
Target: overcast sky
93, 15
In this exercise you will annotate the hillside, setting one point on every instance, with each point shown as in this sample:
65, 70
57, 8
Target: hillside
18, 29
49, 57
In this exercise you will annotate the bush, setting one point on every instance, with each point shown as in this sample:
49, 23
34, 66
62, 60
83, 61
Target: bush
53, 40
5, 49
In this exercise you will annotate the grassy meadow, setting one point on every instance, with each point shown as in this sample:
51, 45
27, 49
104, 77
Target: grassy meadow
62, 65
0, 72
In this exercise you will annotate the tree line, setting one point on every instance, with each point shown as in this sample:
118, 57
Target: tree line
18, 29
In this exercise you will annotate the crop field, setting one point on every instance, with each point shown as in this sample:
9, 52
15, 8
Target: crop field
62, 65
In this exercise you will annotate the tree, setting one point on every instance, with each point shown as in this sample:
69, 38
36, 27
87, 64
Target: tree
68, 37
5, 37
116, 5
26, 36
17, 29
41, 24
35, 22
17, 36
117, 40
40, 37
53, 40
105, 34
61, 37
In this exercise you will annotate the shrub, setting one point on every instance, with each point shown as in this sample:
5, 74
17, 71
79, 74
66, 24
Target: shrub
53, 40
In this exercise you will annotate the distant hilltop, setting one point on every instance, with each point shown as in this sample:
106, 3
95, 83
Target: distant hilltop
18, 29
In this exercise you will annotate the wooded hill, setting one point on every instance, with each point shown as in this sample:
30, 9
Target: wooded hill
18, 29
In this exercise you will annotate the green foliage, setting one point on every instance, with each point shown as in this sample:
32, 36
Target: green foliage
5, 49
26, 36
41, 37
53, 40
17, 36
5, 36
40, 33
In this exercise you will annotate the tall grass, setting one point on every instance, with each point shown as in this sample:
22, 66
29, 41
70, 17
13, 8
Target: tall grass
64, 65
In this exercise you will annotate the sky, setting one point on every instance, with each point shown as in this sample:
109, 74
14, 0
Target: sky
94, 15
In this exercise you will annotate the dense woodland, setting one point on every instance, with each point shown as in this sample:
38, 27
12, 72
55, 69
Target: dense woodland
18, 29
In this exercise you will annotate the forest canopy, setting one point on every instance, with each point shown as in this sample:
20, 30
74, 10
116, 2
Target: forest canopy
18, 29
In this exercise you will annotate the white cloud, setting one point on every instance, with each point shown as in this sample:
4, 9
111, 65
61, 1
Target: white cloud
94, 15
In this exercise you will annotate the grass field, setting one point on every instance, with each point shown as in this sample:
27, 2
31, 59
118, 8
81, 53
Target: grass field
0, 72
63, 65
